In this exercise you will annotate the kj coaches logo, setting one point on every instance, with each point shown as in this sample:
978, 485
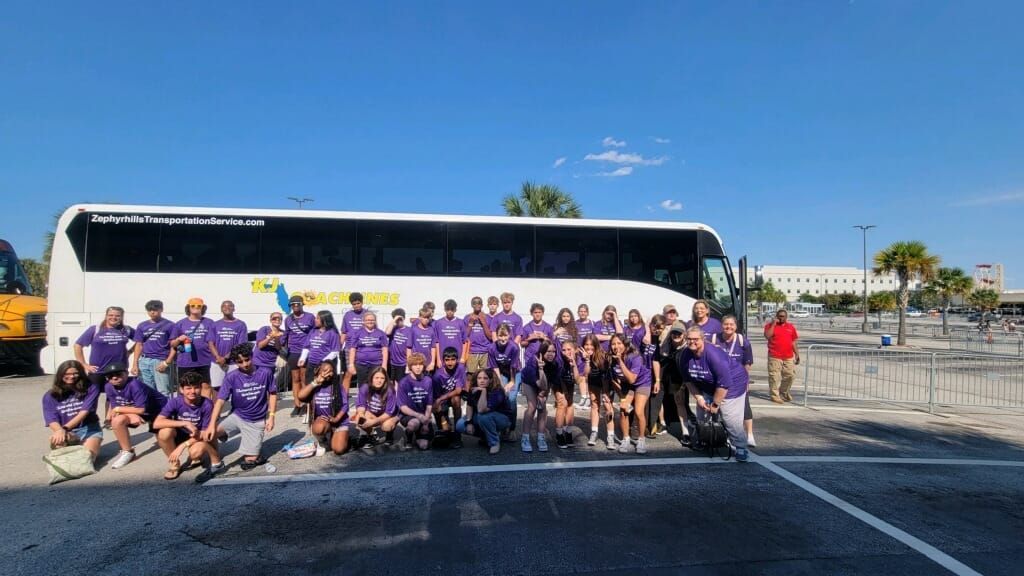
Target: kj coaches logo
274, 286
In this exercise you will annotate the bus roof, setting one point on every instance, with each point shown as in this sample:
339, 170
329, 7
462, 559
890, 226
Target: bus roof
341, 214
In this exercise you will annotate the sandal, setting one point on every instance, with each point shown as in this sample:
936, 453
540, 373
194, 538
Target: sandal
173, 471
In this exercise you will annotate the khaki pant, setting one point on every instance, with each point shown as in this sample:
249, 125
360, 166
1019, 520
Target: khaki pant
781, 374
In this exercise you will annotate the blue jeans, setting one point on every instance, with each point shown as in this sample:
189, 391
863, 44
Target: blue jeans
515, 389
160, 381
492, 424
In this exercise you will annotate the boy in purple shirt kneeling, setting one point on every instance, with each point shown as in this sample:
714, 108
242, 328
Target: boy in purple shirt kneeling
253, 396
131, 403
179, 429
416, 401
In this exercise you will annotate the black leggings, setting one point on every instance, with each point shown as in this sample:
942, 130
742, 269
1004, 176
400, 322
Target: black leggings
654, 407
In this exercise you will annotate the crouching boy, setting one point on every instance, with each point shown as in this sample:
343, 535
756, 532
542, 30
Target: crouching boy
179, 430
253, 396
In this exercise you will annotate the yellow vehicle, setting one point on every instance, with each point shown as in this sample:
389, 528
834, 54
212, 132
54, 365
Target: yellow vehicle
22, 315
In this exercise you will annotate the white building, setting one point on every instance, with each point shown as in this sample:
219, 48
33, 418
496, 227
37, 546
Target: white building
820, 280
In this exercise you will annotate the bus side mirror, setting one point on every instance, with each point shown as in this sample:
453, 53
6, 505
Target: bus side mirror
758, 278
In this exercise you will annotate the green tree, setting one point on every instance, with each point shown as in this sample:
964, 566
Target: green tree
882, 302
947, 284
849, 301
984, 299
543, 201
808, 298
38, 275
909, 260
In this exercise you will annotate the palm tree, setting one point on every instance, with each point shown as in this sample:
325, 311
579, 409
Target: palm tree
910, 261
544, 201
948, 283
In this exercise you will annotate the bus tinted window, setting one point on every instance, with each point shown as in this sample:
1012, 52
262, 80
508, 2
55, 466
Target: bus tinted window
660, 256
122, 247
76, 236
216, 249
401, 248
490, 250
297, 246
576, 252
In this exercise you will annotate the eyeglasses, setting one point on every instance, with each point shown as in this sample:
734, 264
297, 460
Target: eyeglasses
275, 317
74, 374
196, 306
698, 339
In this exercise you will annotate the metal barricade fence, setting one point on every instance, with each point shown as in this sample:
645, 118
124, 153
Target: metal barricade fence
989, 342
913, 377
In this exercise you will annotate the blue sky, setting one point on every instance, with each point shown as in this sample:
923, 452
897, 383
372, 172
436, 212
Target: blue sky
781, 124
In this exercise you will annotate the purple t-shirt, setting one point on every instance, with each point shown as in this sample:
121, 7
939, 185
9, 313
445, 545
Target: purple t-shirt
742, 353
445, 381
351, 322
711, 326
154, 337
504, 358
106, 345
416, 394
267, 356
369, 346
377, 404
529, 328
422, 340
565, 335
63, 411
323, 400
201, 332
713, 369
229, 335
450, 334
478, 340
136, 395
512, 320
636, 335
297, 329
199, 414
635, 363
400, 339
249, 393
320, 343
584, 328
603, 328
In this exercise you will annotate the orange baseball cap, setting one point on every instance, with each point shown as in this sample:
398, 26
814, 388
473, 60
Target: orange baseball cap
196, 302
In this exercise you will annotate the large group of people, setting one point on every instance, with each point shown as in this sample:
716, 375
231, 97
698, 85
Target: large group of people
418, 382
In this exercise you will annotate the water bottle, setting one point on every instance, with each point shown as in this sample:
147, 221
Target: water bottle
188, 345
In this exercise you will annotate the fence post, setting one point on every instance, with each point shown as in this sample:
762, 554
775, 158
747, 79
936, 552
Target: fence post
807, 372
931, 384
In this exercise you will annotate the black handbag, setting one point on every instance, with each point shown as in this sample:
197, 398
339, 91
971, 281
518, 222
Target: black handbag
712, 435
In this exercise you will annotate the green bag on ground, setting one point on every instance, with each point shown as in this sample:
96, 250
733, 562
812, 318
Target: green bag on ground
68, 463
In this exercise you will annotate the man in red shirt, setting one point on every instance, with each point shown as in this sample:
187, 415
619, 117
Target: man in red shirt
783, 356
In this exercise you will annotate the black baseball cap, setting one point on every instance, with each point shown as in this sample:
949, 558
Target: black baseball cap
296, 300
114, 368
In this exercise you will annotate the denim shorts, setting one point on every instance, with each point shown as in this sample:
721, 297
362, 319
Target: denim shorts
87, 431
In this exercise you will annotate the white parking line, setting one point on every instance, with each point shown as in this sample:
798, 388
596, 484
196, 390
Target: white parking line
884, 460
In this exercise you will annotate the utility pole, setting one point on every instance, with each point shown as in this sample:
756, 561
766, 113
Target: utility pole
300, 201
864, 229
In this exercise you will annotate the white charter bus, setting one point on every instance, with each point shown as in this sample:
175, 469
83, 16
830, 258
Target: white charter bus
119, 255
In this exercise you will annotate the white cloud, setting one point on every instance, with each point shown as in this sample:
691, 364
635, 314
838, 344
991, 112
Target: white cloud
559, 162
610, 142
671, 205
624, 171
628, 158
661, 140
1009, 198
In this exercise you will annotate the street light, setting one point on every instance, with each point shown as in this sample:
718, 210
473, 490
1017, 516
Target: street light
864, 228
300, 201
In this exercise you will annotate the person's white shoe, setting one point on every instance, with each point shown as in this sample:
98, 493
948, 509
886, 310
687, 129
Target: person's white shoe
525, 443
641, 446
750, 440
542, 443
625, 446
123, 458
593, 439
495, 449
612, 443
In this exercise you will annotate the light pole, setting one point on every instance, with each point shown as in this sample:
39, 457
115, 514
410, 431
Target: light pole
300, 201
864, 228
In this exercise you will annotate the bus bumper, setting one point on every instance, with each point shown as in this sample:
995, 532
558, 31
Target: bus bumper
21, 350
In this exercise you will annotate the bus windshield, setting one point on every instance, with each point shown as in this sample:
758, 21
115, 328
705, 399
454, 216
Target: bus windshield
12, 277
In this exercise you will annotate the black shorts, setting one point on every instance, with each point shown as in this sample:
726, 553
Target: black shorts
672, 386
363, 373
180, 436
293, 360
396, 373
747, 414
203, 371
568, 388
404, 420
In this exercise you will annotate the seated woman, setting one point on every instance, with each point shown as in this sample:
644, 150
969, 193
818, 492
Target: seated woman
69, 409
377, 408
489, 408
132, 403
329, 423
178, 428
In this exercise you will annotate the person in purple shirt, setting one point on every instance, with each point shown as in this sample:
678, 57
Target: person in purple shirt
595, 374
718, 383
330, 407
351, 321
489, 409
108, 343
368, 348
571, 366
450, 332
492, 312
377, 409
253, 396
535, 331
738, 348
422, 339
449, 382
69, 409
400, 336
504, 356
415, 396
703, 320
131, 403
540, 371
297, 327
323, 343
607, 326
584, 328
193, 337
228, 333
632, 381
478, 325
634, 329
179, 427
565, 327
510, 318
271, 344
153, 352
655, 362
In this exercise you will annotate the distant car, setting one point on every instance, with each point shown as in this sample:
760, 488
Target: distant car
914, 313
800, 314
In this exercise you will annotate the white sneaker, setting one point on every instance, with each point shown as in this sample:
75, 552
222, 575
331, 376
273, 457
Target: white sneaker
593, 439
750, 440
625, 446
525, 443
641, 446
612, 443
122, 459
495, 449
305, 416
542, 443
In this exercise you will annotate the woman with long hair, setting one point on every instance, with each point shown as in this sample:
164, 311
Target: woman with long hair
540, 372
490, 409
702, 319
322, 344
69, 409
595, 373
565, 327
607, 326
634, 329
377, 408
570, 368
329, 423
632, 380
108, 344
655, 362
